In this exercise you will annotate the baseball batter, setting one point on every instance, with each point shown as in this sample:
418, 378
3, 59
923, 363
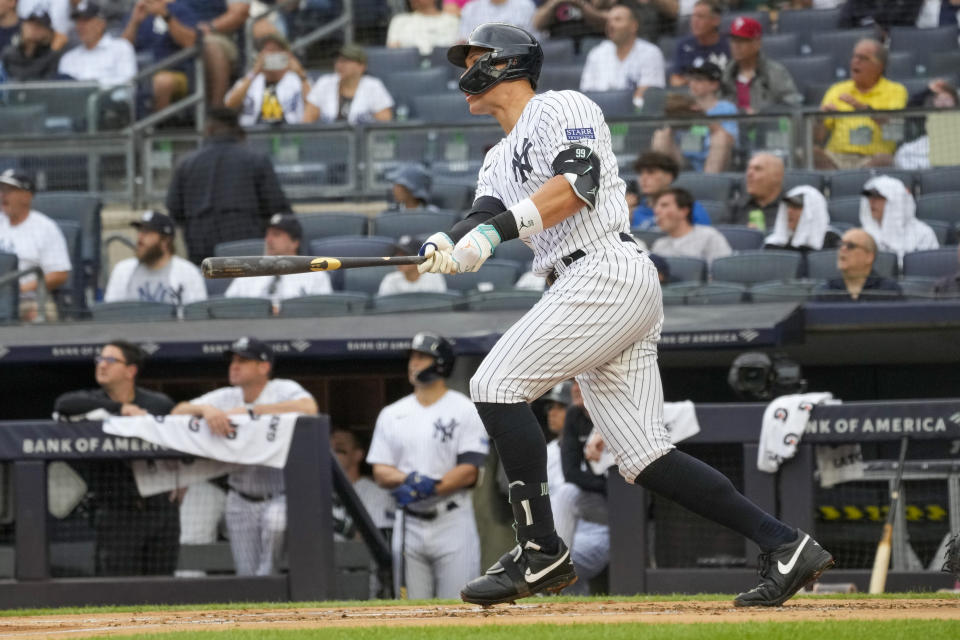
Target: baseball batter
552, 181
427, 449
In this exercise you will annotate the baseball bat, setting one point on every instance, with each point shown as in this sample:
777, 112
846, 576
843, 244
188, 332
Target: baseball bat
881, 562
249, 266
403, 553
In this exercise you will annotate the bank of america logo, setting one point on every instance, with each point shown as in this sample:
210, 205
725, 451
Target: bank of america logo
955, 418
150, 348
749, 335
300, 345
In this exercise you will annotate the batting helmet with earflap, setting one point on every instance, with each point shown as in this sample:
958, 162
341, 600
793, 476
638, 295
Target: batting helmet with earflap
442, 352
508, 44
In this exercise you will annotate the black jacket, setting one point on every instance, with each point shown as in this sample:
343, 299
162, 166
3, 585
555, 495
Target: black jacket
886, 13
40, 66
224, 191
576, 429
76, 403
876, 288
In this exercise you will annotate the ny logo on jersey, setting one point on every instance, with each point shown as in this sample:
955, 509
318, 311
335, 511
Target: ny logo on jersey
521, 162
444, 431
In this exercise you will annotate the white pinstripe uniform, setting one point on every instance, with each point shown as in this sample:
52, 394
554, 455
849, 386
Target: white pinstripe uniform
442, 550
600, 321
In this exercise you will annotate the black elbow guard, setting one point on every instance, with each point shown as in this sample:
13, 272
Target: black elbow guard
581, 167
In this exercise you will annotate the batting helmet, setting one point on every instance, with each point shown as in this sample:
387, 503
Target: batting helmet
442, 352
518, 49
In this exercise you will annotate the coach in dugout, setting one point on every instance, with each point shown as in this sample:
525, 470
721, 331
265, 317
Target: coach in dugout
135, 535
223, 191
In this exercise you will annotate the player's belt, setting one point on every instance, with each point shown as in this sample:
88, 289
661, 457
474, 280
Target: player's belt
576, 255
252, 498
433, 513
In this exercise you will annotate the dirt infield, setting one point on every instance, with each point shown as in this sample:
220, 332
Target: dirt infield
100, 624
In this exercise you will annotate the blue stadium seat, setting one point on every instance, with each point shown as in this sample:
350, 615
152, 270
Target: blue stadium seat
251, 247
649, 236
514, 250
503, 300
790, 291
813, 92
939, 180
382, 62
796, 177
945, 231
556, 51
396, 224
559, 77
365, 280
918, 288
496, 274
353, 246
901, 64
806, 22
935, 263
704, 186
216, 287
133, 311
718, 293
923, 42
228, 309
324, 225
452, 196
340, 303
943, 63
806, 70
838, 45
850, 183
418, 302
23, 119
404, 86
70, 297
741, 238
83, 208
676, 294
781, 45
668, 47
614, 103
822, 265
442, 108
684, 269
716, 210
751, 267
940, 206
9, 294
845, 210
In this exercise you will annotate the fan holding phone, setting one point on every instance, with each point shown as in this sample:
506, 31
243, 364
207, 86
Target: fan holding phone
274, 90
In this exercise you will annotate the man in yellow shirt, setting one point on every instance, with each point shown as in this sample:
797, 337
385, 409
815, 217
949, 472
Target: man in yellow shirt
856, 142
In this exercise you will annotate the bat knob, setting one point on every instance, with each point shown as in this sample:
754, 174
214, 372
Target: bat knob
206, 268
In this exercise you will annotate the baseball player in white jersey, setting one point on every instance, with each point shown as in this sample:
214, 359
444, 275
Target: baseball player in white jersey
256, 510
553, 182
427, 448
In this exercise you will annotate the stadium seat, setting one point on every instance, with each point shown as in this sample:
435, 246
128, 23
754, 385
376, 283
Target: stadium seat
353, 246
514, 250
9, 294
365, 280
340, 303
23, 119
935, 263
133, 311
741, 238
718, 293
557, 51
324, 225
940, 206
901, 64
228, 309
668, 47
216, 287
382, 62
251, 247
850, 183
945, 231
822, 265
751, 267
558, 77
796, 177
704, 186
806, 22
684, 269
918, 288
396, 224
838, 45
943, 63
418, 302
503, 300
790, 291
781, 45
806, 70
452, 196
404, 86
83, 208
923, 42
939, 180
648, 235
763, 17
442, 108
614, 103
813, 92
845, 210
495, 274
71, 297
676, 294
716, 210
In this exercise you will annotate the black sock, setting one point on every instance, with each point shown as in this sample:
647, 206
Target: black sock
523, 453
702, 489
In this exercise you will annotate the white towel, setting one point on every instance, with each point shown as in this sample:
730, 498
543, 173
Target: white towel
784, 421
812, 225
261, 441
899, 231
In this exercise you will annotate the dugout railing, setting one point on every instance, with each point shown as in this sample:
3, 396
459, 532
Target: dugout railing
310, 574
719, 561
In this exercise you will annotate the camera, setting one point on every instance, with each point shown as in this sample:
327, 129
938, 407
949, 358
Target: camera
757, 376
275, 61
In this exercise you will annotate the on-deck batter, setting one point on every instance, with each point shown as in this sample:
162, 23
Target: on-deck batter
599, 321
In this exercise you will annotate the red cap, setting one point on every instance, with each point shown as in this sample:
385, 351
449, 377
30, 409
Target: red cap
746, 28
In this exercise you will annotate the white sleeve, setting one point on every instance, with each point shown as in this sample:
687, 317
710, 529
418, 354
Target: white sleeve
386, 285
128, 61
119, 277
53, 252
591, 75
435, 282
928, 239
287, 390
486, 177
473, 436
235, 290
718, 246
66, 65
379, 98
394, 28
221, 398
467, 21
194, 288
319, 284
651, 69
60, 15
381, 447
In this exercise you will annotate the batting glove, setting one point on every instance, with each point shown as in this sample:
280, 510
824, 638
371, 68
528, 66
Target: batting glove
405, 494
438, 248
423, 485
474, 248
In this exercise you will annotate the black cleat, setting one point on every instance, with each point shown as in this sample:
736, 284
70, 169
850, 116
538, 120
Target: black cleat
520, 573
786, 570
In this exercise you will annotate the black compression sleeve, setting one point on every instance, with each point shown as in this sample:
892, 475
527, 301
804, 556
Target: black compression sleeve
80, 402
484, 208
506, 225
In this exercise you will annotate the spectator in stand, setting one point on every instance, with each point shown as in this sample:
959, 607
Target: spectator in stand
931, 15
100, 56
275, 90
674, 213
407, 279
411, 187
857, 142
59, 12
219, 21
423, 27
802, 221
454, 7
751, 80
136, 535
656, 171
939, 94
35, 239
759, 206
32, 58
949, 286
476, 12
571, 19
224, 190
256, 504
162, 28
705, 41
855, 259
282, 239
663, 268
9, 22
623, 61
882, 13
155, 274
707, 148
347, 94
350, 454
888, 213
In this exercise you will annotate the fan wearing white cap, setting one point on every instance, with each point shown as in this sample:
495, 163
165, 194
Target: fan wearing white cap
155, 274
407, 278
802, 221
888, 212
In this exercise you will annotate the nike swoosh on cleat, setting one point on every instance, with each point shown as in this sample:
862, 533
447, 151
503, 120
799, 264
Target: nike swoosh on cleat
787, 568
533, 577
